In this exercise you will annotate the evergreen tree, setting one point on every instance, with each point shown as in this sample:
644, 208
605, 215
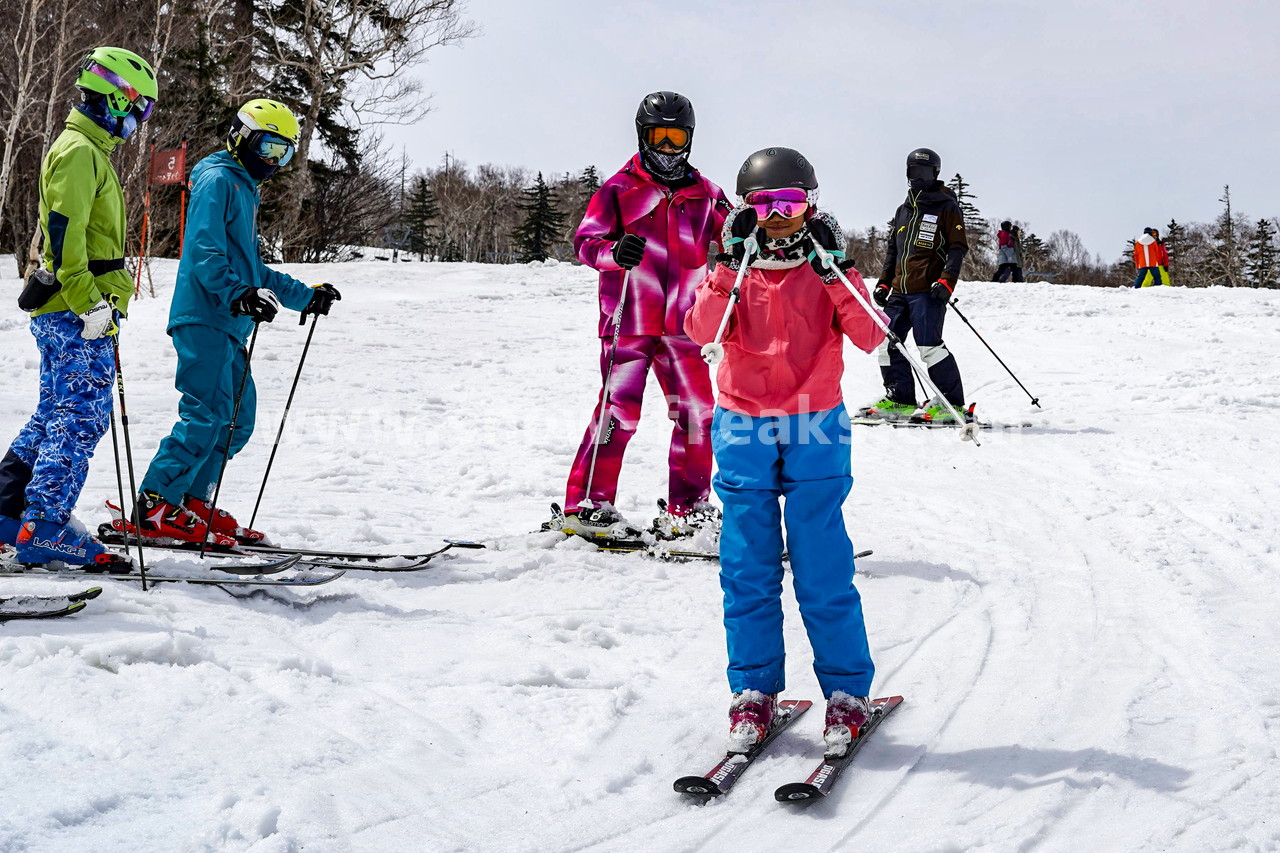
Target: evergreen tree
1226, 245
421, 216
542, 222
1174, 234
1262, 263
978, 262
1032, 251
589, 180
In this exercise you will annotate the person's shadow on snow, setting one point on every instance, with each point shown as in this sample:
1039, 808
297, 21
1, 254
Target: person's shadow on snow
1022, 768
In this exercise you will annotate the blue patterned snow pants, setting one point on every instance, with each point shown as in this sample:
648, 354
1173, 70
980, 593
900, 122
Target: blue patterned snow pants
49, 460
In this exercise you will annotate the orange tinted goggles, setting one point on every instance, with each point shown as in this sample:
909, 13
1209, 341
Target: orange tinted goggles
677, 136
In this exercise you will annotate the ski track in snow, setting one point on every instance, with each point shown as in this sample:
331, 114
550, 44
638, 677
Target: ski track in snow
1081, 614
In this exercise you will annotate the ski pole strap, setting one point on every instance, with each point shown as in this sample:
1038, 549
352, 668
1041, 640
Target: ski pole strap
837, 254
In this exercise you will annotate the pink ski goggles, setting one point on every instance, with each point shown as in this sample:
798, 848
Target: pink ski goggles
787, 203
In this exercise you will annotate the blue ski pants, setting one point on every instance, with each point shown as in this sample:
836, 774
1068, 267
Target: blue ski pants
211, 365
44, 471
794, 468
923, 316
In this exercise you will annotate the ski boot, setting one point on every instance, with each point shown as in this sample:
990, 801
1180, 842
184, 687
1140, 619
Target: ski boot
750, 717
600, 522
846, 715
9, 528
678, 523
41, 541
888, 409
224, 524
936, 412
163, 521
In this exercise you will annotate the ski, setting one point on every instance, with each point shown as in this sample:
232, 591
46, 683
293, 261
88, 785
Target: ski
10, 566
824, 778
109, 534
929, 425
45, 606
722, 777
213, 576
662, 551
40, 610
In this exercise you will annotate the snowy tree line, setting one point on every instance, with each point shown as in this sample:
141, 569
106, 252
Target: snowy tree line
338, 64
1231, 251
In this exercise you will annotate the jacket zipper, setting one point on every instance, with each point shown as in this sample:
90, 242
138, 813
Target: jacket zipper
911, 232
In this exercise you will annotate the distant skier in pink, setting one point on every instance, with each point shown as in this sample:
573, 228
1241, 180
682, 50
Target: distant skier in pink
655, 218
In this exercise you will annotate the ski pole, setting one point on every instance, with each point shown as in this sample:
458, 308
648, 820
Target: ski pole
713, 353
128, 454
586, 503
968, 431
287, 405
231, 434
1035, 401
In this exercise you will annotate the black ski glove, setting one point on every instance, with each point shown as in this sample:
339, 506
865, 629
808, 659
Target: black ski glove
629, 251
822, 233
322, 299
941, 290
743, 224
882, 293
256, 302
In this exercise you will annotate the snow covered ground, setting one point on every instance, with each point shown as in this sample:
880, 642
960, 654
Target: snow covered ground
1082, 615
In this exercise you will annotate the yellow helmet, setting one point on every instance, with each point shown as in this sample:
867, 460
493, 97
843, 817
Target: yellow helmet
263, 137
124, 78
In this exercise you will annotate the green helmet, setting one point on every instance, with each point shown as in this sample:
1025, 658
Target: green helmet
125, 79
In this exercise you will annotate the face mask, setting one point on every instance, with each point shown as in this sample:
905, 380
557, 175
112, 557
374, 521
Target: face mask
668, 167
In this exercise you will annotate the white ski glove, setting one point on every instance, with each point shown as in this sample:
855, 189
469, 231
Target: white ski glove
98, 321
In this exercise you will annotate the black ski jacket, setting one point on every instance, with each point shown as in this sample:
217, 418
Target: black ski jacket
928, 241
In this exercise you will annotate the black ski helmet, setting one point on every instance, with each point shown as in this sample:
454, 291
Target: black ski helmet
1006, 225
925, 157
664, 109
775, 169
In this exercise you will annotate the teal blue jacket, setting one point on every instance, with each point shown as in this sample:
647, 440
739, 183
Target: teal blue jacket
220, 256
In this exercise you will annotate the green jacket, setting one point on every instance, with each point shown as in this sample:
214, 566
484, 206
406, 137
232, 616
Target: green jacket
82, 217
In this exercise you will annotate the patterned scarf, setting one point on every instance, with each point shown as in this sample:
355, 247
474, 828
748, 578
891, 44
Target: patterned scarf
784, 253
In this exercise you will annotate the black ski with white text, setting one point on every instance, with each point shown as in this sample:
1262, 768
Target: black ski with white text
720, 779
823, 779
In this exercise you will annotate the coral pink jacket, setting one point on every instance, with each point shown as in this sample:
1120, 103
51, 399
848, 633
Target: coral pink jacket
784, 345
678, 225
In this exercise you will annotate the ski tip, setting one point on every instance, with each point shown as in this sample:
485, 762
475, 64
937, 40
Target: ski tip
465, 543
699, 787
87, 595
797, 793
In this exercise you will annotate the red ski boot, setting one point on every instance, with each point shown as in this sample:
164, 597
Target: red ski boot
166, 522
750, 716
224, 524
846, 715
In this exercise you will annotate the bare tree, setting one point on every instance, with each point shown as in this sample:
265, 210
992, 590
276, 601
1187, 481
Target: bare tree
21, 78
352, 54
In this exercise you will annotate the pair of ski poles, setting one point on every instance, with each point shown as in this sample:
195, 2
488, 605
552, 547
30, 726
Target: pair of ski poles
231, 429
235, 417
713, 352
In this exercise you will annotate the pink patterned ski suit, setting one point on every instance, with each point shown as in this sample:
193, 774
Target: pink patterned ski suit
678, 225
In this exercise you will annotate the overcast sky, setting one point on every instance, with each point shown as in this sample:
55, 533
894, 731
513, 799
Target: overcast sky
1098, 117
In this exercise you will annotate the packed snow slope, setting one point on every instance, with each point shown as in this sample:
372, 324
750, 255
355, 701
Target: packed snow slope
1082, 614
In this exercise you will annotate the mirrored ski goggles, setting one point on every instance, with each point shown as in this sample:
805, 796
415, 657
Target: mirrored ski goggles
275, 148
138, 102
677, 136
787, 203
